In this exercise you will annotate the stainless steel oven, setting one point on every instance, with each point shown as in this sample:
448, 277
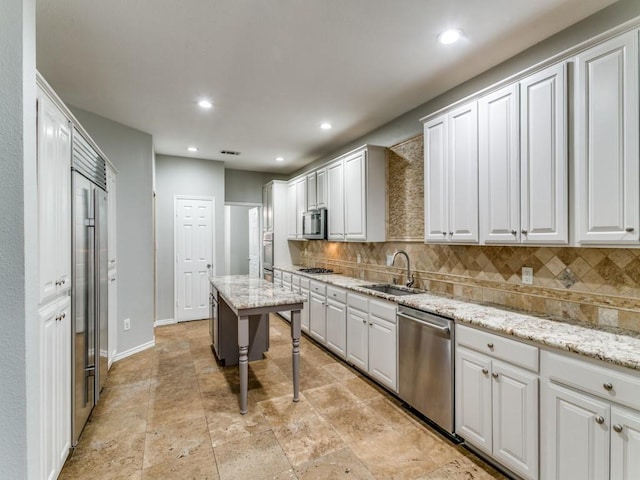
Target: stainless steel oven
314, 224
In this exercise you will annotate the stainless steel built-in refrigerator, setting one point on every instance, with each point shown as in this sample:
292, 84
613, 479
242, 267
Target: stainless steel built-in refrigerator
89, 284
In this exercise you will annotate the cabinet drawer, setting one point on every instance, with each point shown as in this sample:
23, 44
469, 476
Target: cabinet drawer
358, 302
277, 273
600, 381
511, 351
286, 277
304, 283
382, 309
336, 294
317, 287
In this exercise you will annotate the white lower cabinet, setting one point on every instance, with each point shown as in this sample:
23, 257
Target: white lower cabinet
358, 331
589, 421
497, 401
55, 384
317, 312
304, 313
336, 318
383, 350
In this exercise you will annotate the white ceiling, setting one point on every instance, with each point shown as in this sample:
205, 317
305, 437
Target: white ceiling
276, 69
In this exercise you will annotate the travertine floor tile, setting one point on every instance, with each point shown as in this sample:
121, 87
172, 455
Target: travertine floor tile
189, 438
340, 371
203, 467
355, 424
463, 469
226, 426
331, 397
364, 389
342, 464
116, 424
252, 458
281, 411
123, 397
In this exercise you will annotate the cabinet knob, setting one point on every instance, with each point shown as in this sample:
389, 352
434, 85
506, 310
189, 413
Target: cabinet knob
617, 428
451, 233
524, 232
490, 346
364, 321
607, 386
485, 371
494, 375
57, 318
629, 229
599, 420
514, 232
64, 315
444, 234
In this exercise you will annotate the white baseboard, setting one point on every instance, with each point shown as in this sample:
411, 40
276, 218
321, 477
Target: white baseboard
134, 350
166, 321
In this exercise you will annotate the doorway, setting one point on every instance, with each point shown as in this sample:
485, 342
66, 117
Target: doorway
242, 239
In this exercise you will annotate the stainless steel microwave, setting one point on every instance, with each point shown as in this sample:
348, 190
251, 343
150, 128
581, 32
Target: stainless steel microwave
314, 224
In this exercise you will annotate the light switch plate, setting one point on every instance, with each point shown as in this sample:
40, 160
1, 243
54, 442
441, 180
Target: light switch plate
527, 275
389, 260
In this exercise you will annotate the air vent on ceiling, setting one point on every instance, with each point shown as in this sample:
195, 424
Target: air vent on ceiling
229, 152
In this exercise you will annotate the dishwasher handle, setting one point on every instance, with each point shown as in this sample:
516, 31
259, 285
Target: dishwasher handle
442, 329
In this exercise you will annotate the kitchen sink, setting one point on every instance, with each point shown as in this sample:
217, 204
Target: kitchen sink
392, 289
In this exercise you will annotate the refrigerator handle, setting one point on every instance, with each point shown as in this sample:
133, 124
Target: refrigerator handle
89, 327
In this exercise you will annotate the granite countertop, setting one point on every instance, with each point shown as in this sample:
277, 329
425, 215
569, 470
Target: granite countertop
609, 345
242, 292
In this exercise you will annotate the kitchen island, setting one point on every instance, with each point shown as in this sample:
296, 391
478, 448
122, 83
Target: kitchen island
250, 298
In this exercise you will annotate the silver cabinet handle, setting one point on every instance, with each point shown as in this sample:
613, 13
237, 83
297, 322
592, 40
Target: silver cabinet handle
524, 232
607, 386
485, 371
599, 420
494, 375
629, 229
617, 428
490, 346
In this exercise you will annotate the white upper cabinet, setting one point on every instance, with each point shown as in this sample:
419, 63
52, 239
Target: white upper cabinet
355, 208
543, 157
321, 188
301, 203
54, 203
451, 176
312, 200
292, 210
499, 161
335, 201
606, 143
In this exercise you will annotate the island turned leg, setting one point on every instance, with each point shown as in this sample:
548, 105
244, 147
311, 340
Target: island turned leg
295, 355
243, 363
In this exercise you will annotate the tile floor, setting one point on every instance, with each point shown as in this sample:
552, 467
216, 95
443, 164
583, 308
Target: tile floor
172, 412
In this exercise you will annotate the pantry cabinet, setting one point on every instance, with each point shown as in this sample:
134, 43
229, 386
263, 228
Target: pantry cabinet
451, 176
606, 143
55, 386
54, 199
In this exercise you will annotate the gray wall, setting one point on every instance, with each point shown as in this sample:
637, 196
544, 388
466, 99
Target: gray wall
238, 239
242, 186
408, 125
131, 152
183, 176
19, 335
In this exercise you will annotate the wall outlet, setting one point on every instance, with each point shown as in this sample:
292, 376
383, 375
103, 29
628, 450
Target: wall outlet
527, 275
127, 324
358, 258
389, 260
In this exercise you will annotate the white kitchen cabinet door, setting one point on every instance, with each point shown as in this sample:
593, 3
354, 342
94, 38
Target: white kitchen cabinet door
574, 437
357, 338
54, 199
463, 174
543, 157
335, 201
304, 313
625, 444
321, 188
292, 210
606, 143
301, 203
355, 206
515, 418
312, 195
383, 351
317, 317
499, 166
436, 197
111, 216
337, 327
473, 398
55, 382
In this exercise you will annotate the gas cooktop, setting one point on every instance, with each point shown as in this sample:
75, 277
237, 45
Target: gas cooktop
315, 270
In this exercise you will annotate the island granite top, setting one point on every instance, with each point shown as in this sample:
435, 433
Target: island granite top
242, 292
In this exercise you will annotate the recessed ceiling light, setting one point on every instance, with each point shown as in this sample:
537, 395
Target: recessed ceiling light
279, 159
325, 126
449, 36
192, 149
206, 104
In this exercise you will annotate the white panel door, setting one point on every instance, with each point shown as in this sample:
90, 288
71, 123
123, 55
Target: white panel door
607, 163
543, 157
463, 174
194, 257
335, 201
383, 351
357, 338
355, 207
337, 328
499, 166
473, 399
436, 195
63, 382
515, 418
254, 242
574, 438
292, 210
625, 444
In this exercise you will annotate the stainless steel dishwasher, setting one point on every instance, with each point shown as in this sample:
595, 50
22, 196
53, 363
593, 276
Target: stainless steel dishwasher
425, 354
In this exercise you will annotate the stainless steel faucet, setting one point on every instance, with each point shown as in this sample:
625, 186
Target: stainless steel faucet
410, 279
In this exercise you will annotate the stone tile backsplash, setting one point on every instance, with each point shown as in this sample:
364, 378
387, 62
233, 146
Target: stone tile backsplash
593, 285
